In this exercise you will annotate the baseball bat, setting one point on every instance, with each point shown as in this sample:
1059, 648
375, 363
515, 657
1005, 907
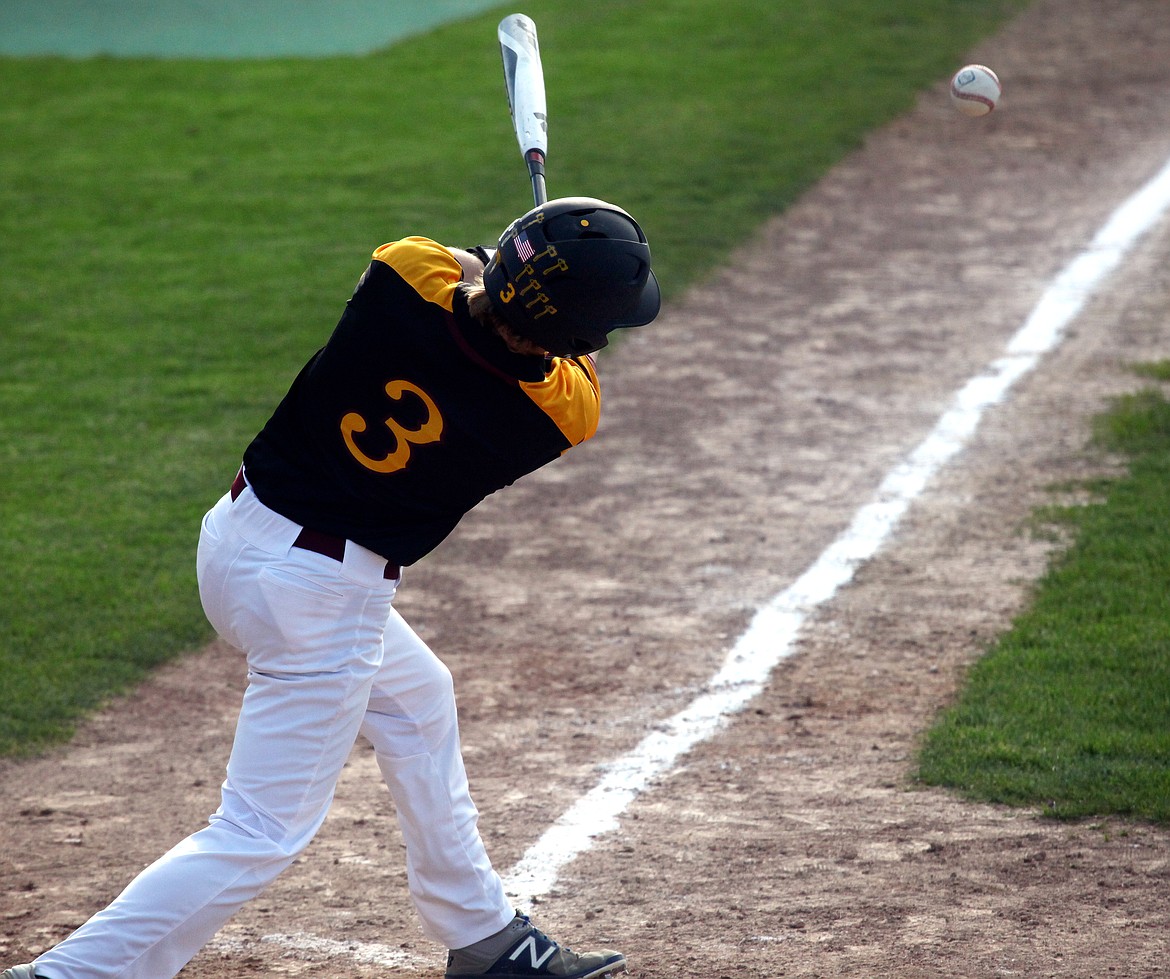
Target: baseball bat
524, 80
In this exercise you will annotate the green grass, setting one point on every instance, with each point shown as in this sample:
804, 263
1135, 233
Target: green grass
1068, 712
179, 235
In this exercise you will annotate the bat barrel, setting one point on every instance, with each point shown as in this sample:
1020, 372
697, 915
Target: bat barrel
524, 81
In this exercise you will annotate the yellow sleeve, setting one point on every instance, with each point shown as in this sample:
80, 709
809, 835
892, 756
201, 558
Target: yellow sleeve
571, 396
431, 269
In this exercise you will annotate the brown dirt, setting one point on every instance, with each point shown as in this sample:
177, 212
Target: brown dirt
593, 599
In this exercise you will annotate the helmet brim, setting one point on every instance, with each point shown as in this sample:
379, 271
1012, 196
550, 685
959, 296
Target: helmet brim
649, 303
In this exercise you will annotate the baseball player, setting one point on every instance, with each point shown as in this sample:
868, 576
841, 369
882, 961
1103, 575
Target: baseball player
444, 381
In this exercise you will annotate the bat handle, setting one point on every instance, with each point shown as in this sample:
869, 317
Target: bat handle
535, 161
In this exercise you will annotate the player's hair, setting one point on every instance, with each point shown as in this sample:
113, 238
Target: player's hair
481, 309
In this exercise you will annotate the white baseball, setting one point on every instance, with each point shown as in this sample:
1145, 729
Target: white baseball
975, 90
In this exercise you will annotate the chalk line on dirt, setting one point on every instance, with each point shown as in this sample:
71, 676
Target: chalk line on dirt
311, 947
771, 635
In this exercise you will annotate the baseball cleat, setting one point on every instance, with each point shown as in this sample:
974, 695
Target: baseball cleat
532, 953
20, 972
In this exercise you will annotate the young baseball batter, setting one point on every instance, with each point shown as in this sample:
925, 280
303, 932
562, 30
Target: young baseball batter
434, 390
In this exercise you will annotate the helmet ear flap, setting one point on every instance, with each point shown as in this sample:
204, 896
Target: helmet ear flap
581, 347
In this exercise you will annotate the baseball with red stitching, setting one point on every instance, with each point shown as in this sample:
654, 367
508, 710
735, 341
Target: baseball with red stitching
975, 90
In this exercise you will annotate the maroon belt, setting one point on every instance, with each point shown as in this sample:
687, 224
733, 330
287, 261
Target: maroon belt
317, 542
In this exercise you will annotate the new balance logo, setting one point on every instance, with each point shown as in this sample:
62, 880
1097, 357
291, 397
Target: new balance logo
530, 944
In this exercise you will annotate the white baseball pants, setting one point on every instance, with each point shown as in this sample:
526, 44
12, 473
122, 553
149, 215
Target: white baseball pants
328, 658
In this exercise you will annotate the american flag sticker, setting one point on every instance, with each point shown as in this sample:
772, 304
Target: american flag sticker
524, 247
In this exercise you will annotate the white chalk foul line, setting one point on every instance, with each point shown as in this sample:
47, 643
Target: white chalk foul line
311, 947
772, 633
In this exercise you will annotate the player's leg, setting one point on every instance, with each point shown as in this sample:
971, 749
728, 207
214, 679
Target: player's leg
314, 644
412, 723
413, 726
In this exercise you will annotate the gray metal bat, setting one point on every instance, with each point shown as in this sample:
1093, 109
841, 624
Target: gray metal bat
524, 79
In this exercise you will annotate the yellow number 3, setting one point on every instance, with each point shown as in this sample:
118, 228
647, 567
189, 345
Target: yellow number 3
429, 431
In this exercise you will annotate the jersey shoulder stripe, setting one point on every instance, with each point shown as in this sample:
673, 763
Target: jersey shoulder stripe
571, 396
426, 266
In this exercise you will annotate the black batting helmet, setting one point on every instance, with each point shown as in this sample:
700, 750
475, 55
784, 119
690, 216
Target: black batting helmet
569, 272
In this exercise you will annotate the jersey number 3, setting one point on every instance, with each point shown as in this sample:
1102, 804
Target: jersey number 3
429, 431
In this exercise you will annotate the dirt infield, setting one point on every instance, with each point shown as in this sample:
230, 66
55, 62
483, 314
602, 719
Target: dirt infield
593, 600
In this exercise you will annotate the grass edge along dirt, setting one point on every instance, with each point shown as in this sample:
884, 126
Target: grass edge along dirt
1066, 712
180, 235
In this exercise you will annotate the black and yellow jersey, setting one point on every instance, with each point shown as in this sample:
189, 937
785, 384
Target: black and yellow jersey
413, 412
